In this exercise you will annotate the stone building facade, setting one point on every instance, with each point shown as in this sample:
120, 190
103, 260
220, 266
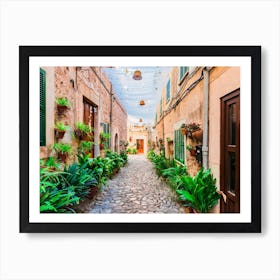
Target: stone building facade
209, 97
91, 96
139, 137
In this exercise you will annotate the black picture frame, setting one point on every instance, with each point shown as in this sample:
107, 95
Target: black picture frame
254, 52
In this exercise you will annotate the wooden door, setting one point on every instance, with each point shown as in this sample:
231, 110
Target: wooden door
140, 146
230, 152
89, 112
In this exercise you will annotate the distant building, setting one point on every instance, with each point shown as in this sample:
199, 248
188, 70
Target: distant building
139, 137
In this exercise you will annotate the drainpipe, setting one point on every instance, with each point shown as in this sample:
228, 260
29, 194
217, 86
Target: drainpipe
205, 117
111, 117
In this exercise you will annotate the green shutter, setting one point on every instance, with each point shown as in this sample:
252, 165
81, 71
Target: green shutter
42, 107
168, 91
179, 146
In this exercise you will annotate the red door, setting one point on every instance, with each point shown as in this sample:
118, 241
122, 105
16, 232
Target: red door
140, 146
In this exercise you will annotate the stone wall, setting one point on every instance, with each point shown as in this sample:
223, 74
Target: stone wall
189, 108
77, 84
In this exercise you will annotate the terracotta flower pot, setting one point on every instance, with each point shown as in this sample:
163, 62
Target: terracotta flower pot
193, 153
59, 133
61, 109
62, 156
198, 134
101, 146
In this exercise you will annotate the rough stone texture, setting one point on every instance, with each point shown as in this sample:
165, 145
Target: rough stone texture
136, 189
77, 83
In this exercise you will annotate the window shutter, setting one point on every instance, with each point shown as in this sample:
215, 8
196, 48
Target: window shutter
168, 91
179, 146
183, 70
42, 107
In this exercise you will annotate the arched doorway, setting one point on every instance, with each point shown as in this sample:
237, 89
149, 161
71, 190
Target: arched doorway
116, 148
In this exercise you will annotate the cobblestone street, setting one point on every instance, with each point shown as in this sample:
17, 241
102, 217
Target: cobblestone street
136, 189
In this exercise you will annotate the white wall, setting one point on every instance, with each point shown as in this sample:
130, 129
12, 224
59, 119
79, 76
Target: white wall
139, 256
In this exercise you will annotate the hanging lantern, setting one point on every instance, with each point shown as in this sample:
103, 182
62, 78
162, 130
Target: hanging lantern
140, 120
137, 75
142, 103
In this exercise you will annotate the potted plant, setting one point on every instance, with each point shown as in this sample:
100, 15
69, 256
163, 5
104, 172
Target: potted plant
191, 149
60, 129
103, 139
62, 150
199, 192
83, 131
86, 147
192, 127
62, 104
183, 129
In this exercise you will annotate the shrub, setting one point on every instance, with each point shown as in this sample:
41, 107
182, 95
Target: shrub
62, 148
199, 192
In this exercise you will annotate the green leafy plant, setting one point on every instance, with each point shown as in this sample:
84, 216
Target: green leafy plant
173, 175
50, 163
168, 139
54, 196
86, 146
83, 127
199, 192
61, 126
63, 101
104, 137
62, 148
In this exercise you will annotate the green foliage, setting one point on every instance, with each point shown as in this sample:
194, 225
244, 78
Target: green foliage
54, 196
61, 126
86, 146
104, 137
81, 178
50, 162
62, 148
161, 163
84, 128
63, 101
199, 192
151, 154
173, 175
61, 191
124, 156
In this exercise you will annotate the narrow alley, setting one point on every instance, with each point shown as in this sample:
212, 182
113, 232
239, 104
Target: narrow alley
136, 189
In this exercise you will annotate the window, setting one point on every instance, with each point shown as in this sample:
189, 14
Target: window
160, 107
42, 107
168, 91
183, 71
106, 129
179, 146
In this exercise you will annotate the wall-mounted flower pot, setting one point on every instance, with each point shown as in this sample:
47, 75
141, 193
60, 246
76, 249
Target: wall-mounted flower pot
101, 146
62, 156
193, 153
198, 134
59, 133
61, 109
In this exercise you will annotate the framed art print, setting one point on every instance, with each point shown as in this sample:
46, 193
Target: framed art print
140, 138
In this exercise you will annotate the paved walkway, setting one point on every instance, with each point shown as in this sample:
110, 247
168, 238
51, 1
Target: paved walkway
136, 189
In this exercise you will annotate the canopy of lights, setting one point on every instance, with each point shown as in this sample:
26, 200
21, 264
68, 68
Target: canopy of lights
139, 89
